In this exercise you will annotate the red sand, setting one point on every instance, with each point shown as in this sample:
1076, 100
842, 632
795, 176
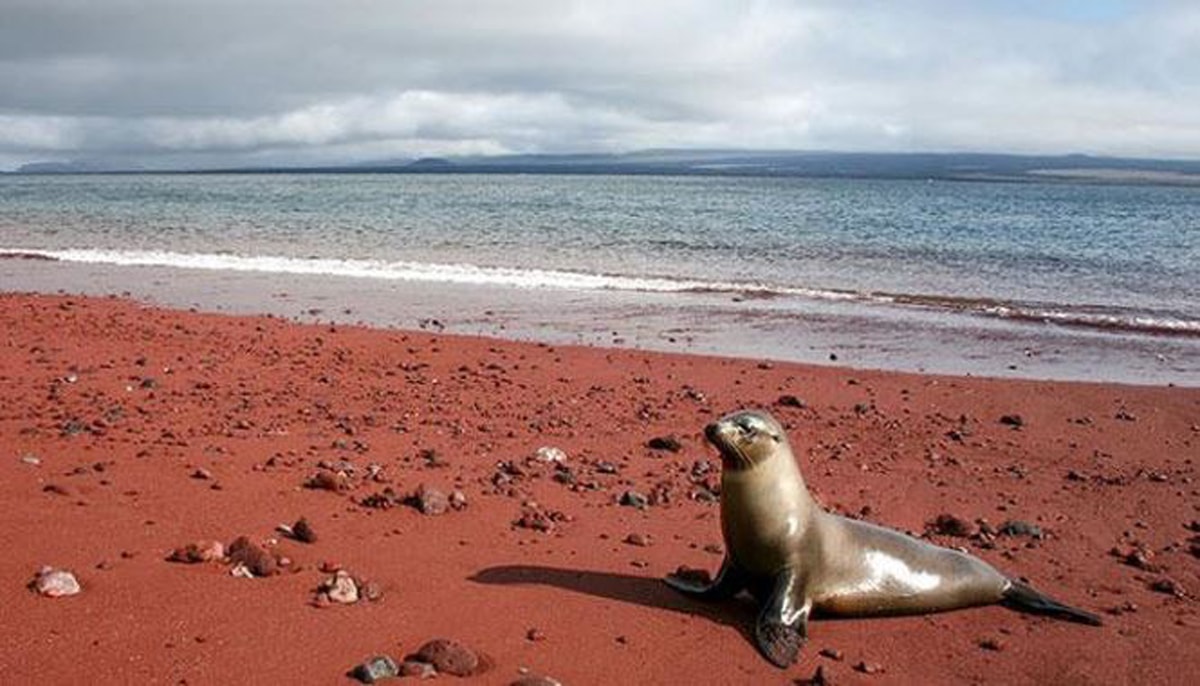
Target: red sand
122, 404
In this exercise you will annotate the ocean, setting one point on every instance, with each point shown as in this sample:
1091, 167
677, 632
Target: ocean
1056, 280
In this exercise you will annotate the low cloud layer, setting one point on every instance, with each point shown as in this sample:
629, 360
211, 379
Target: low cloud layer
191, 83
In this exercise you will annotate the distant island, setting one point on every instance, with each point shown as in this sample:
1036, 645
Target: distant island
948, 166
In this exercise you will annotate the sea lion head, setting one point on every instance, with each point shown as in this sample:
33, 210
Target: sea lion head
745, 439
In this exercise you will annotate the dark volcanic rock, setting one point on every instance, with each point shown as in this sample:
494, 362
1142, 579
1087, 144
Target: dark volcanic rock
1013, 420
302, 531
950, 525
634, 499
667, 443
790, 401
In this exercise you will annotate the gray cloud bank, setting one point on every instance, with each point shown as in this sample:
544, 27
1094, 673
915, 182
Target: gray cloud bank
194, 83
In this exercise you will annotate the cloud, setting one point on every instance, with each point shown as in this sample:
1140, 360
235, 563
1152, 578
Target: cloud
171, 80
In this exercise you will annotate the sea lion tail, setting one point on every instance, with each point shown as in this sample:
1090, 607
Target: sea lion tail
1024, 598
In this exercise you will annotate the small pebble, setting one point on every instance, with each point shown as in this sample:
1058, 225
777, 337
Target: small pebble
302, 531
867, 668
550, 454
250, 555
666, 443
376, 669
448, 657
430, 501
418, 669
639, 540
55, 583
201, 551
340, 588
634, 499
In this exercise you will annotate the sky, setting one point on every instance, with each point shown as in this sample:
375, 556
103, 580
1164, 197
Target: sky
195, 83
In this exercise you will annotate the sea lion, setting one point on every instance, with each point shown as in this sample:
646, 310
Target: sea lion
796, 559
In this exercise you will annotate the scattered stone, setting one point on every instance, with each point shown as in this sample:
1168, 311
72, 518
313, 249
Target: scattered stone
1139, 557
535, 635
1125, 416
458, 500
370, 591
634, 499
418, 669
55, 583
788, 400
31, 460
202, 474
257, 561
538, 520
376, 669
1013, 420
383, 500
200, 551
950, 525
302, 531
993, 644
448, 657
639, 540
328, 481
832, 653
241, 571
550, 455
666, 443
430, 501
340, 588
1168, 586
868, 668
1016, 527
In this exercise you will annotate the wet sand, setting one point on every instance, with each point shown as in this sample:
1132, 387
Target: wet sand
811, 331
127, 431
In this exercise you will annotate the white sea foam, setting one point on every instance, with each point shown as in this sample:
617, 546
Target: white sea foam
467, 274
476, 275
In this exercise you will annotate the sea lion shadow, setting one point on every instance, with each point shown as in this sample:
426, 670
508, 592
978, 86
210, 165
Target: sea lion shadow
637, 590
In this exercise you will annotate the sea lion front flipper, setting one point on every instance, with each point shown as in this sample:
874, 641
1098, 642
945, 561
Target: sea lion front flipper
782, 626
728, 582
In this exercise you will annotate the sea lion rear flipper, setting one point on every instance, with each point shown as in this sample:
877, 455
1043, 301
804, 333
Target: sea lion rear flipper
728, 583
782, 626
1024, 598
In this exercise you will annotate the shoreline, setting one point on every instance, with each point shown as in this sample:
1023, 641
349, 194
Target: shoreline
122, 405
827, 333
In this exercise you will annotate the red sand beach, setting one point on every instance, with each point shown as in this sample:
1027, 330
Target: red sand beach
127, 432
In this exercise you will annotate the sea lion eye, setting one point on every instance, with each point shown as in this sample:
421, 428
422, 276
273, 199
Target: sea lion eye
745, 424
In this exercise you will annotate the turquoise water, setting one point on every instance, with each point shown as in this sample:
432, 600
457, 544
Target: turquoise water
1103, 257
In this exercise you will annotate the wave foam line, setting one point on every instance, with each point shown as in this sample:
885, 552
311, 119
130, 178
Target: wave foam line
1116, 320
466, 274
